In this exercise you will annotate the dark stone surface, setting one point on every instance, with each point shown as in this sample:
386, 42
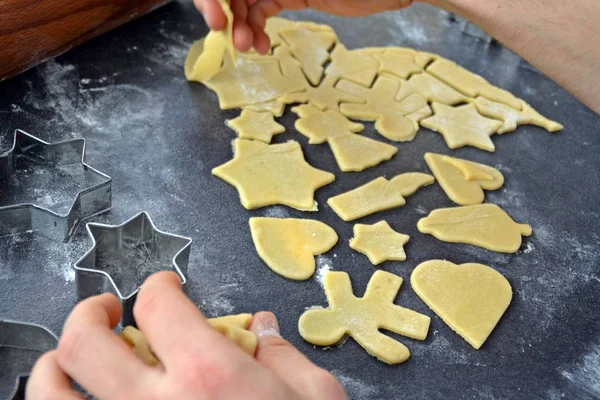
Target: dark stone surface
159, 136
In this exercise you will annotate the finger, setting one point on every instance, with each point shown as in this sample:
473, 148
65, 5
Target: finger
243, 37
48, 381
177, 331
213, 14
96, 358
289, 364
262, 43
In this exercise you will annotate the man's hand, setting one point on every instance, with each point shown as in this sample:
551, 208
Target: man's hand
250, 15
197, 362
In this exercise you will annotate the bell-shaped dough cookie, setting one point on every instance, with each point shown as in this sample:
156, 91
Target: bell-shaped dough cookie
378, 195
483, 225
470, 298
379, 242
355, 153
462, 180
362, 317
273, 174
511, 117
288, 245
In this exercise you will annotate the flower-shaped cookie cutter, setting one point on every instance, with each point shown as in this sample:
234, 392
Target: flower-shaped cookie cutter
136, 243
24, 217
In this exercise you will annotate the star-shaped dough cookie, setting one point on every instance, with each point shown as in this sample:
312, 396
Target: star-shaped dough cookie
389, 115
324, 97
273, 174
320, 126
399, 64
462, 126
511, 117
355, 66
254, 125
431, 88
379, 242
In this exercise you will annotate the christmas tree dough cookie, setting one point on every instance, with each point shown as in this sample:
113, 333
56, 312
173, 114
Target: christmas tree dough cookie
379, 242
462, 126
469, 298
254, 125
362, 317
378, 195
288, 245
462, 180
511, 117
273, 174
483, 225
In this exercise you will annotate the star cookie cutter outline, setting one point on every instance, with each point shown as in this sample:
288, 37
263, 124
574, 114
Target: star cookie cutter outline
25, 336
25, 217
91, 281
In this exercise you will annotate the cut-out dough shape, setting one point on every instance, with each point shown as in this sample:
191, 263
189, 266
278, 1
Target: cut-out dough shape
462, 126
250, 81
306, 110
137, 341
390, 116
470, 298
362, 317
273, 174
462, 180
469, 83
235, 328
355, 65
256, 126
320, 126
483, 225
311, 48
378, 195
511, 117
379, 242
274, 25
274, 107
399, 64
288, 246
324, 97
290, 67
207, 56
431, 88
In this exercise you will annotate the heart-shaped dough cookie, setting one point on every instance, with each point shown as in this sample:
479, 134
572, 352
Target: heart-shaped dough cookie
471, 298
288, 245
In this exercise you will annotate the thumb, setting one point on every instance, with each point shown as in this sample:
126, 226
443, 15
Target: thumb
279, 356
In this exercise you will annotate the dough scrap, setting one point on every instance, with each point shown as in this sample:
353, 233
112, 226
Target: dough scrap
288, 245
362, 317
256, 126
290, 67
378, 195
470, 298
273, 174
273, 106
511, 117
431, 88
355, 153
137, 341
399, 64
379, 242
463, 181
235, 328
483, 225
324, 97
462, 126
311, 48
470, 84
321, 126
390, 116
250, 81
354, 65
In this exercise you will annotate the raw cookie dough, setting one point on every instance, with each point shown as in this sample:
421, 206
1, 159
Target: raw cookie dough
321, 126
273, 106
379, 242
483, 225
390, 116
378, 195
462, 180
355, 66
273, 174
137, 340
235, 328
306, 110
469, 83
511, 117
462, 126
430, 88
470, 298
324, 97
362, 317
288, 245
397, 63
256, 126
290, 67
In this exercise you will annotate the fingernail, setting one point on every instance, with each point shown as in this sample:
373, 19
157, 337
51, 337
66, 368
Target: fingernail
266, 325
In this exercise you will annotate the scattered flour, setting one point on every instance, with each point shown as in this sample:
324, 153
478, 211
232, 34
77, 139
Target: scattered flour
529, 248
324, 265
276, 212
421, 210
586, 374
356, 388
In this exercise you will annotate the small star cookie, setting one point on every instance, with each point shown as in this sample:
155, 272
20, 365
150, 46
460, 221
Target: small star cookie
399, 64
324, 97
254, 125
379, 242
355, 66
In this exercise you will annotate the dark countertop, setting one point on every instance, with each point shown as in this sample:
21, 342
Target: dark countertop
158, 137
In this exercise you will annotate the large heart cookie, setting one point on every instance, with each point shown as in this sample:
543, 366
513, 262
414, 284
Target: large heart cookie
471, 298
288, 245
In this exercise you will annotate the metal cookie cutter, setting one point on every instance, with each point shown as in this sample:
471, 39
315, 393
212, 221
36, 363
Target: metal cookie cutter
28, 151
122, 256
25, 336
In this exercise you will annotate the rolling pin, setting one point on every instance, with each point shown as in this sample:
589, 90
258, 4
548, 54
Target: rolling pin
32, 31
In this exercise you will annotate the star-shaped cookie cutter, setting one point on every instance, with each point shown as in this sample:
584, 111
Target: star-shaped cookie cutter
25, 336
140, 236
19, 218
